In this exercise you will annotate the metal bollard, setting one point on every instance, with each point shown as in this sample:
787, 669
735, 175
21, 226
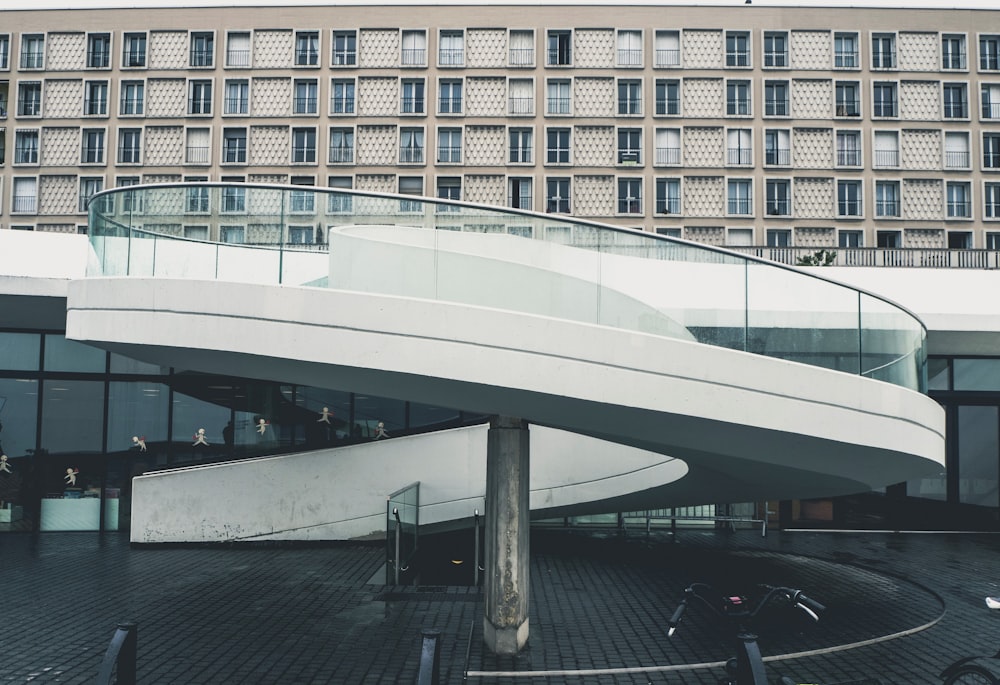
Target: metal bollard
430, 657
121, 653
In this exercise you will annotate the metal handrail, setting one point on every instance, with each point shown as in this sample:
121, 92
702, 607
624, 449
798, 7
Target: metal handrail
118, 666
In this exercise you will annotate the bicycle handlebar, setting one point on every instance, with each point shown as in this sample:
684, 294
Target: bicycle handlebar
696, 590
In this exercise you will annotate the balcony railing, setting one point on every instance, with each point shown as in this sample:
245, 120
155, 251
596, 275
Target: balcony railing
959, 209
411, 106
991, 110
557, 106
956, 159
413, 57
739, 156
451, 58
849, 108
778, 208
197, 154
668, 58
238, 58
341, 155
887, 208
411, 155
521, 106
846, 59
520, 202
781, 156
739, 206
848, 157
521, 57
895, 257
629, 58
668, 106
885, 158
668, 155
25, 204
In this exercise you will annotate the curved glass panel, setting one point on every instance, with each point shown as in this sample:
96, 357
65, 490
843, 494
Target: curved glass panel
505, 259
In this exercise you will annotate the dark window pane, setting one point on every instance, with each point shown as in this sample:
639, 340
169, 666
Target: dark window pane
68, 355
19, 351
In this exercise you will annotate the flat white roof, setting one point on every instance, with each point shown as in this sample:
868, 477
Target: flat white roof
146, 4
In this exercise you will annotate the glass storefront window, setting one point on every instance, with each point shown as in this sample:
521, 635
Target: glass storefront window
977, 374
938, 377
326, 415
377, 417
978, 455
18, 421
68, 355
425, 415
20, 351
120, 364
201, 427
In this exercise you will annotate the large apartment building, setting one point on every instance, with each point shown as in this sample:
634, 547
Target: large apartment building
738, 126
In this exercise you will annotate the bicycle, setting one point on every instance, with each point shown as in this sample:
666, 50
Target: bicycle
964, 671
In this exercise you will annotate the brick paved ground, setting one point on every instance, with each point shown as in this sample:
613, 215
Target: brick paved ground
311, 615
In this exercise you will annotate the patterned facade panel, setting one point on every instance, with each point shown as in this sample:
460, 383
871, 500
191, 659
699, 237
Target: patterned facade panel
703, 49
272, 49
811, 99
704, 146
706, 235
376, 183
60, 146
810, 50
166, 97
485, 48
164, 229
378, 48
918, 51
161, 178
57, 194
813, 198
485, 145
921, 149
704, 196
923, 198
164, 145
269, 145
486, 97
594, 146
593, 195
63, 98
703, 97
263, 234
919, 101
168, 50
927, 238
262, 205
378, 97
594, 97
812, 148
56, 228
267, 178
271, 97
376, 146
593, 48
815, 237
167, 201
65, 51
487, 190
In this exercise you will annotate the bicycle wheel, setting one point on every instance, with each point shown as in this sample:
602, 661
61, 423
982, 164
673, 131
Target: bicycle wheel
971, 674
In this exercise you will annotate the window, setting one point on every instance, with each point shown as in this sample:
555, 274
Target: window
848, 99
134, 50
234, 235
668, 97
305, 96
411, 146
519, 193
412, 101
237, 97
234, 198
845, 50
630, 196
32, 51
238, 49
991, 150
629, 48
93, 146
560, 51
338, 202
955, 101
959, 240
557, 195
131, 201
778, 237
521, 145
306, 48
630, 146
740, 197
29, 99
629, 96
557, 146
129, 145
341, 145
414, 49
848, 148
888, 239
450, 100
776, 98
884, 99
132, 98
738, 98
777, 147
202, 49
991, 192
303, 146
956, 150
952, 51
302, 201
959, 200
196, 198
200, 97
4, 52
850, 239
737, 49
778, 192
739, 147
522, 49
451, 49
886, 150
993, 241
522, 100
887, 199
849, 198
989, 53
25, 196
775, 49
345, 48
411, 185
449, 146
449, 188
26, 147
342, 96
991, 100
883, 51
197, 146
95, 98
234, 146
98, 50
557, 96
668, 146
668, 196
668, 49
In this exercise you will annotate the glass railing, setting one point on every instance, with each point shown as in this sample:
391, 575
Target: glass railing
508, 259
402, 524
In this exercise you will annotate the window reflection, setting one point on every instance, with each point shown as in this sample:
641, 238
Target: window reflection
68, 355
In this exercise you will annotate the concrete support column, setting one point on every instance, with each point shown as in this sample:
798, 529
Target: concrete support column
505, 624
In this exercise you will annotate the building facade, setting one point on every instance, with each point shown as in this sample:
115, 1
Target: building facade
737, 126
